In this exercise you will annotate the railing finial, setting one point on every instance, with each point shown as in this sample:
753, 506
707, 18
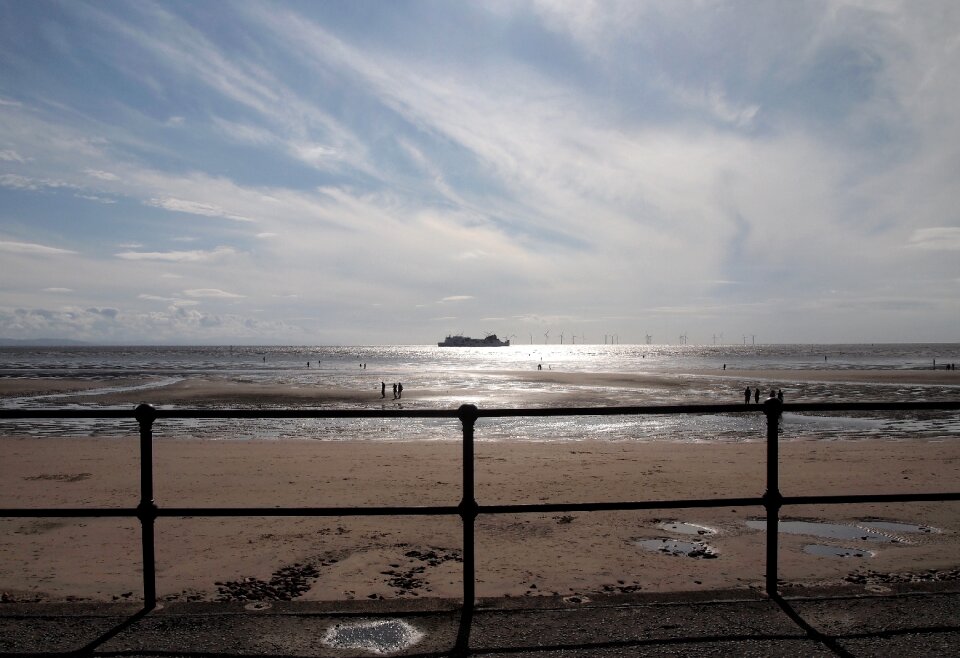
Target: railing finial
145, 413
468, 413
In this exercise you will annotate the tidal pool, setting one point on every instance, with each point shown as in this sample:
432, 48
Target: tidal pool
825, 530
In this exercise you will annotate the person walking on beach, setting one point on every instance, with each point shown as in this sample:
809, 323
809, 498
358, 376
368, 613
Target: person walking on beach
780, 394
383, 390
394, 391
399, 390
746, 396
756, 395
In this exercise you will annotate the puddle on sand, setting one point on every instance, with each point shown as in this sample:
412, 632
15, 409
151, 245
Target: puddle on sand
683, 528
385, 636
836, 551
825, 530
676, 547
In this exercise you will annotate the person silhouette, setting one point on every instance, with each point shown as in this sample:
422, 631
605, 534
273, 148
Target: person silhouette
383, 389
746, 396
756, 395
399, 390
394, 391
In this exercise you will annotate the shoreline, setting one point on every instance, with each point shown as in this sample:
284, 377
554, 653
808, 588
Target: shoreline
403, 557
556, 387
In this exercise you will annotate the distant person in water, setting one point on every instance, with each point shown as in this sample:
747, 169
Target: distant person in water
756, 395
399, 390
383, 389
746, 396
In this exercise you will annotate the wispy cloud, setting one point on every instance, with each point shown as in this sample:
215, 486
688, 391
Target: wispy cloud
32, 249
96, 199
101, 175
194, 208
195, 256
17, 182
943, 238
213, 293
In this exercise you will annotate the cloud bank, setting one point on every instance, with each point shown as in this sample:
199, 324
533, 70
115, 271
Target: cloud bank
656, 168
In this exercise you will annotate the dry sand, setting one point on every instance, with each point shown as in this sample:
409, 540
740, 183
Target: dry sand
361, 557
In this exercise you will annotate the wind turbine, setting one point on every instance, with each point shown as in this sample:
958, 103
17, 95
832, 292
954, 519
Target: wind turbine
546, 337
531, 339
561, 338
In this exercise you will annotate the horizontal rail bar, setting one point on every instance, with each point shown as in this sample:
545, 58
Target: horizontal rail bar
526, 508
872, 406
48, 512
67, 512
230, 413
718, 409
500, 508
871, 498
483, 413
440, 510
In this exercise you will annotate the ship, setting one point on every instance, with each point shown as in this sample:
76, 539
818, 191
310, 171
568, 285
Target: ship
464, 341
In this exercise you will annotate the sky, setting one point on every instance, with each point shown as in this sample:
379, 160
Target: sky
345, 173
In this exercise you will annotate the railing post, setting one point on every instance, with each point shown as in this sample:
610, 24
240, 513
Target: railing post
147, 509
772, 499
468, 415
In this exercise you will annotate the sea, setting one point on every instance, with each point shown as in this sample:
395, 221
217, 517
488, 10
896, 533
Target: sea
444, 378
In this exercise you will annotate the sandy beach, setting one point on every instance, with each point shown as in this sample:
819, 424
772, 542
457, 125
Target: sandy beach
519, 555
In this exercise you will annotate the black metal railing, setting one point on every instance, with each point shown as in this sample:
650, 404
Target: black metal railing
468, 509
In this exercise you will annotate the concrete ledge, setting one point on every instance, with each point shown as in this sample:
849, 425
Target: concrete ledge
841, 621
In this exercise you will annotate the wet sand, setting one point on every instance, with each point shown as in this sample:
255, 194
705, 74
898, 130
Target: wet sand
557, 388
